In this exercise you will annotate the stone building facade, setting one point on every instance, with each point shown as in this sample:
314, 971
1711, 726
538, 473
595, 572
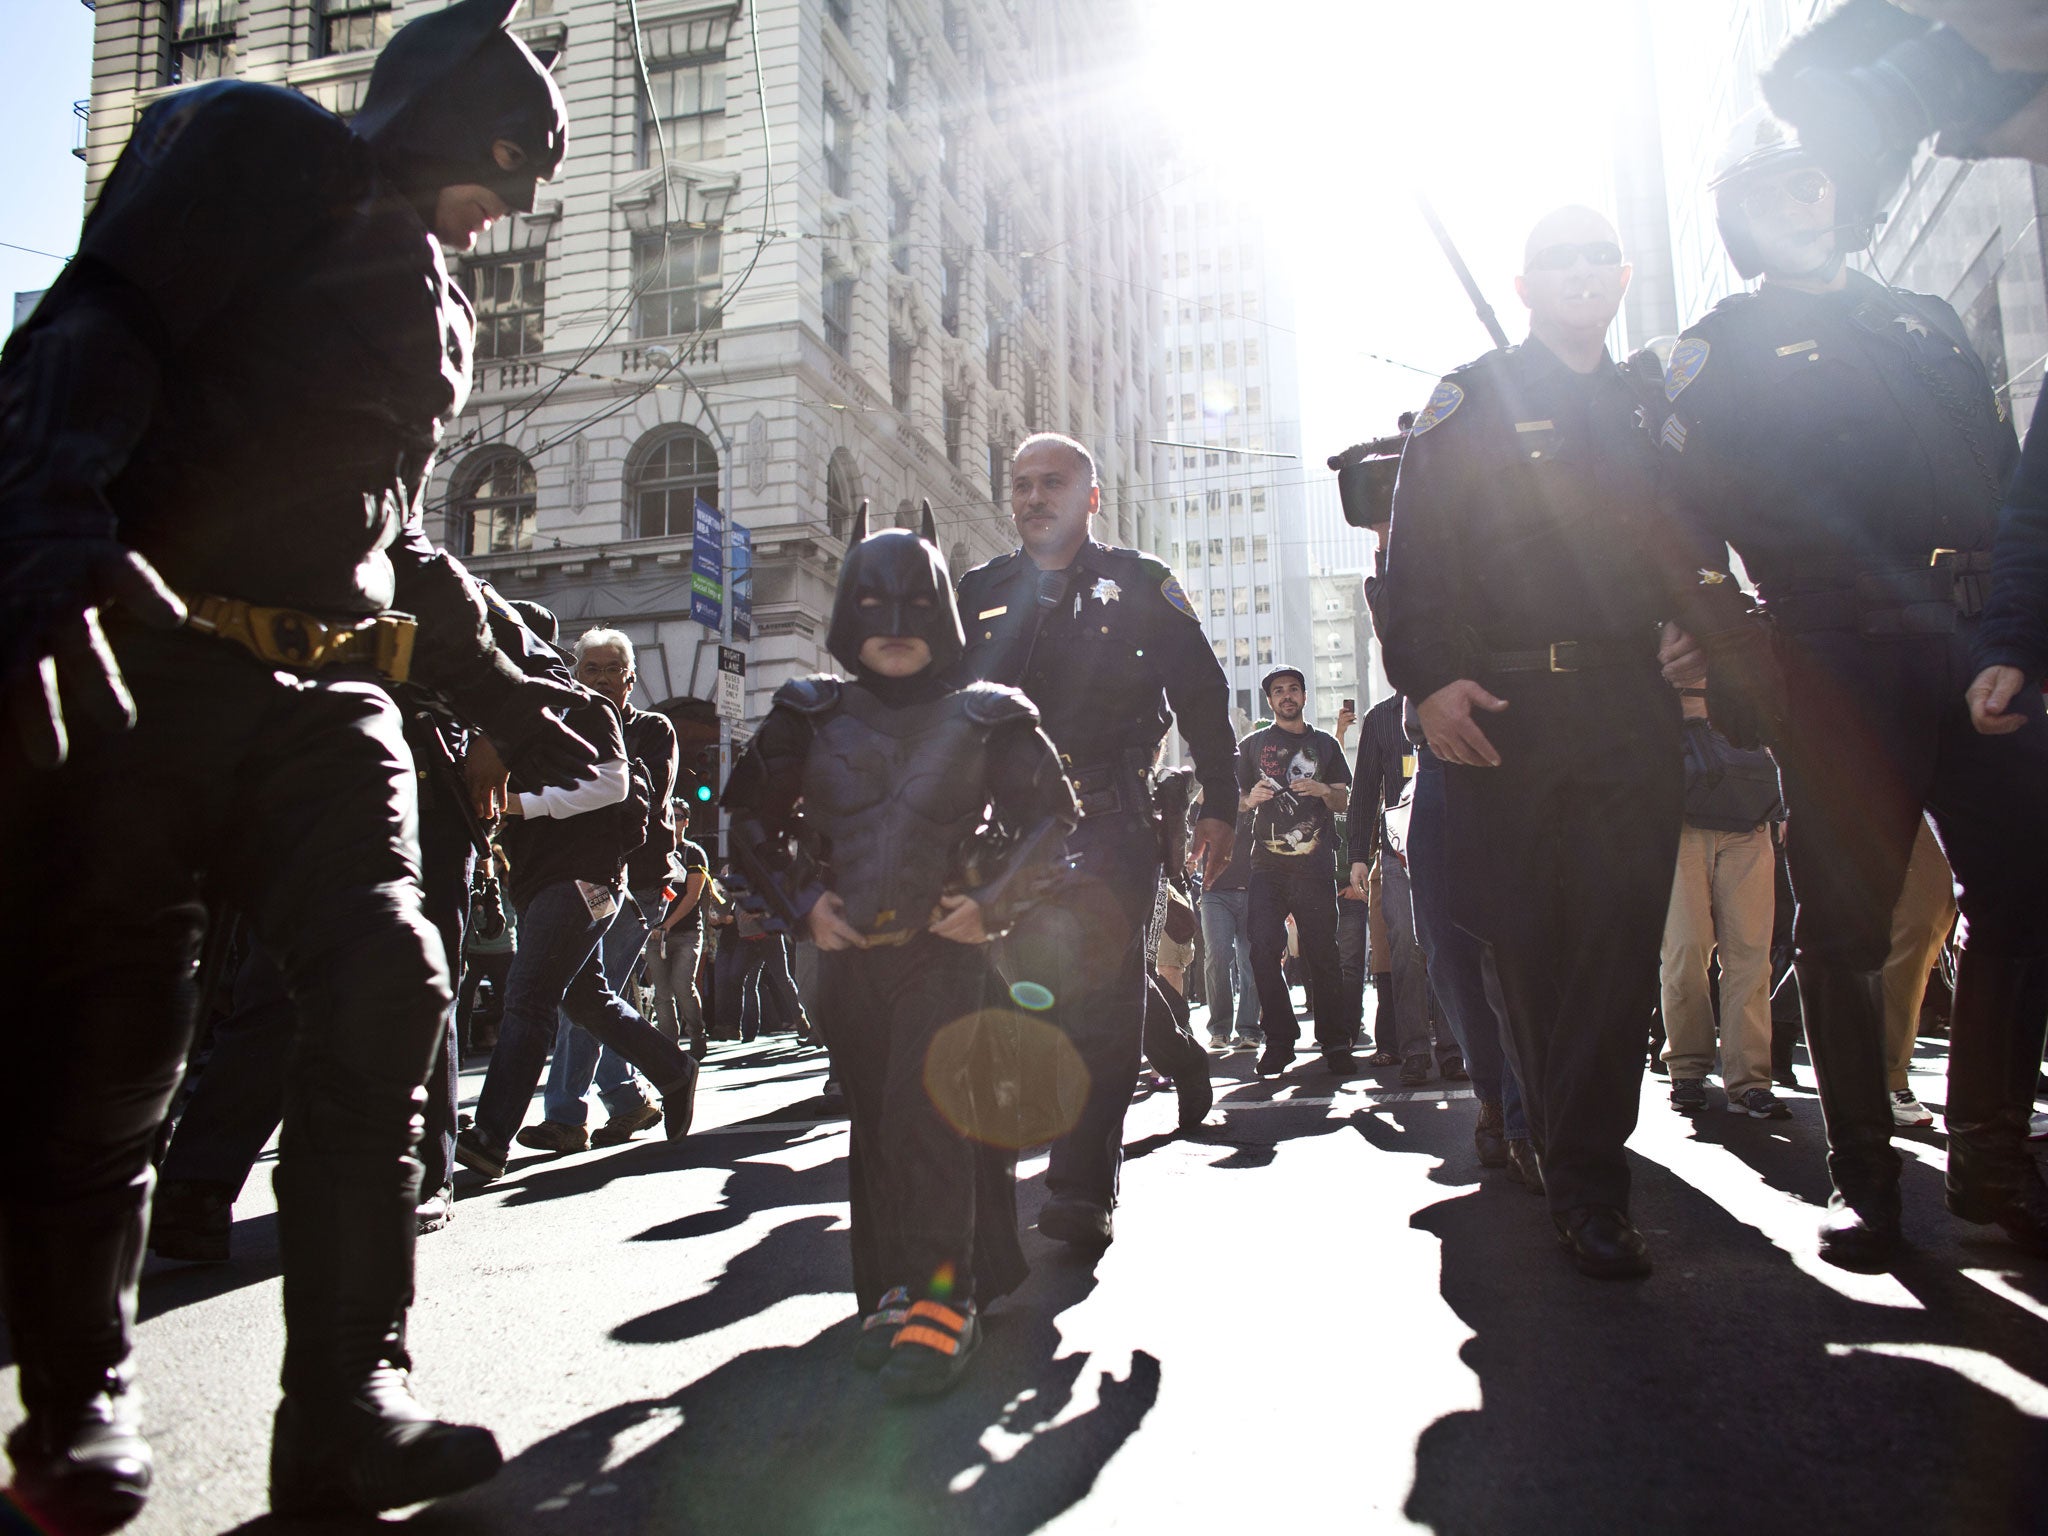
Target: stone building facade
802, 253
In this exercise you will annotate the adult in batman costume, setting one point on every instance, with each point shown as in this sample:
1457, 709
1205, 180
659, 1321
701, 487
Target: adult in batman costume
931, 813
215, 435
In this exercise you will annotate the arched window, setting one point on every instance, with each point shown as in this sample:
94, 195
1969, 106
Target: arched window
842, 494
492, 506
668, 470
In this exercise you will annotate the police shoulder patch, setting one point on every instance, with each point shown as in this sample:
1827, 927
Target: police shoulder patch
1687, 359
1442, 404
1172, 591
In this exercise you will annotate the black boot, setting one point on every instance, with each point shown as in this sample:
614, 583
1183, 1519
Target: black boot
1995, 1033
80, 1462
1844, 1015
1489, 1136
679, 1100
349, 1437
1173, 1049
191, 1220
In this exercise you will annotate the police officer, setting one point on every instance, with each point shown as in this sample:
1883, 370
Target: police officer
239, 383
1102, 640
1527, 573
1844, 438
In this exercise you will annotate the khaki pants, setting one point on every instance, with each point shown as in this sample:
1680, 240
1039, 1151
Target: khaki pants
1722, 898
1920, 924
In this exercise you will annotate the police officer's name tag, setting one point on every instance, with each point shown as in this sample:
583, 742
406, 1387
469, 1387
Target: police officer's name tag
599, 899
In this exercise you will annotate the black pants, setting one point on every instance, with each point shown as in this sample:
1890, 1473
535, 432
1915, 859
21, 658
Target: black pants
239, 1097
292, 799
492, 966
934, 1209
1560, 860
1086, 950
1310, 895
1880, 731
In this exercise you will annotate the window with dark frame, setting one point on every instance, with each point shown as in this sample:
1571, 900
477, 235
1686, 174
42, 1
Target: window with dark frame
689, 100
510, 296
493, 509
838, 150
202, 42
900, 353
677, 283
901, 211
837, 299
352, 26
842, 497
951, 280
665, 478
951, 425
899, 75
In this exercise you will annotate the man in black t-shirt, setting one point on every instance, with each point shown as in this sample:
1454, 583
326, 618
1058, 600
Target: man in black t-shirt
678, 947
1293, 779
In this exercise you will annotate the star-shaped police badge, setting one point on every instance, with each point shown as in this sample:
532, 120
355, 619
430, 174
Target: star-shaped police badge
1105, 591
1914, 325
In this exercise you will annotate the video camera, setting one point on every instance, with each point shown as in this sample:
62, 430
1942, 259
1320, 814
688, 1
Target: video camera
1867, 84
1365, 480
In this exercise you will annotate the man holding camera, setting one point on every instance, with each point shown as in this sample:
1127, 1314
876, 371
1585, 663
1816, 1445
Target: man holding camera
1844, 438
1528, 569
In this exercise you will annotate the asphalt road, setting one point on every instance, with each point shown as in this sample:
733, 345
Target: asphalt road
1318, 1315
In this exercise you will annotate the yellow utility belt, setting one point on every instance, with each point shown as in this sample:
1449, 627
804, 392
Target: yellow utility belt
286, 637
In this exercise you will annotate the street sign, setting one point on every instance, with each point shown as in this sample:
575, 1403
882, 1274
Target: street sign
742, 582
707, 566
732, 682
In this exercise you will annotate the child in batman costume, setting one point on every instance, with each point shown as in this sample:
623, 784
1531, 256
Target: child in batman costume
930, 813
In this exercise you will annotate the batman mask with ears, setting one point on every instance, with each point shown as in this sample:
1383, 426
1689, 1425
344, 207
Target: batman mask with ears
446, 88
903, 577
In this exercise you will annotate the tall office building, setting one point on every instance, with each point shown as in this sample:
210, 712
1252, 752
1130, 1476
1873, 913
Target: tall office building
803, 253
1231, 490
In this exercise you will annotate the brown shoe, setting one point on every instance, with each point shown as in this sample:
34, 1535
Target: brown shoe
626, 1124
1524, 1165
1489, 1140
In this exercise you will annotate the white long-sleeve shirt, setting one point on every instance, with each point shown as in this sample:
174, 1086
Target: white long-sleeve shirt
608, 786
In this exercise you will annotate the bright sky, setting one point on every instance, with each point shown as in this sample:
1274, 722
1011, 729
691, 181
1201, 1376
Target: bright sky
1331, 111
47, 45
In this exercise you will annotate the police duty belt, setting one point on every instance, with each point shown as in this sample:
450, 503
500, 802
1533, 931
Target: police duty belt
285, 637
1876, 603
1567, 656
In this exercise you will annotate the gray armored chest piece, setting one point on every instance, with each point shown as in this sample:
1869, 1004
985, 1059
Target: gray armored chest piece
894, 795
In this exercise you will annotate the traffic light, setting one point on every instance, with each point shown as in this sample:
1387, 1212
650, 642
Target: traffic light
701, 793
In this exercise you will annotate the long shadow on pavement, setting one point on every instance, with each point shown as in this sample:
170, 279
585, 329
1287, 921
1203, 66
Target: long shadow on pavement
1733, 1389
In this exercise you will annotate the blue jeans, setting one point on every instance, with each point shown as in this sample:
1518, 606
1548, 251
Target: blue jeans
579, 1060
1227, 963
1456, 959
556, 968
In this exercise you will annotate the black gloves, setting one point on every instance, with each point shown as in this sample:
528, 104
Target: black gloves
55, 660
514, 711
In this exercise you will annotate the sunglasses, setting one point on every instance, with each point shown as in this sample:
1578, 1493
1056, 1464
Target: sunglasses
1806, 187
1559, 258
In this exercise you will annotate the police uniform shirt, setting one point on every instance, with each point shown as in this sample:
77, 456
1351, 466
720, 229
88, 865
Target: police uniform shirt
1813, 431
1525, 514
1102, 648
1292, 831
